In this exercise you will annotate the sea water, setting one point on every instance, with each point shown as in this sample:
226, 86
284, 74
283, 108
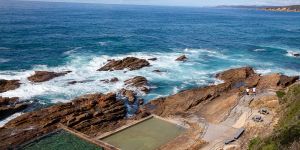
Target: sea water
82, 37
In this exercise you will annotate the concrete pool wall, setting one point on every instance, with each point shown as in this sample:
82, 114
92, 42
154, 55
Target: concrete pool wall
148, 134
152, 132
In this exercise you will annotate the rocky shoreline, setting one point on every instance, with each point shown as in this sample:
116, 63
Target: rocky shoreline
98, 113
295, 8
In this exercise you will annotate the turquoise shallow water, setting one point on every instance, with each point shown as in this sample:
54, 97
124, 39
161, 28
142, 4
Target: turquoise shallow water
147, 135
81, 37
61, 140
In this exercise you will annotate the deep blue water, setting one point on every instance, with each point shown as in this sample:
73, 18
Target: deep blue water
81, 37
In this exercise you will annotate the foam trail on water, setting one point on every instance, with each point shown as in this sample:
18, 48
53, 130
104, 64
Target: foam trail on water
2, 60
175, 76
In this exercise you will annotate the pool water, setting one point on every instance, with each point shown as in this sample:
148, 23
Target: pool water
61, 140
147, 135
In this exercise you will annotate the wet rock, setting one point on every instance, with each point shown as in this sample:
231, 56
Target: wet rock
130, 95
153, 59
8, 101
9, 106
296, 54
138, 82
112, 80
42, 76
130, 63
141, 101
6, 85
158, 71
235, 75
83, 81
181, 58
77, 114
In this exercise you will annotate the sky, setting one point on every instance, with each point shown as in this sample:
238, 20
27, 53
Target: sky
187, 2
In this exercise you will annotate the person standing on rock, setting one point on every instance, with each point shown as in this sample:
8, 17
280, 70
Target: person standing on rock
254, 91
247, 91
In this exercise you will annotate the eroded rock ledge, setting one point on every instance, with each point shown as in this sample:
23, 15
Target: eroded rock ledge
42, 76
89, 114
236, 80
6, 85
130, 63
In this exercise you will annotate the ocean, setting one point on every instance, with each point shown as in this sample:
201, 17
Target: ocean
81, 37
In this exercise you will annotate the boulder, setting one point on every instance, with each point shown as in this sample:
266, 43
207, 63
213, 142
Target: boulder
157, 71
83, 81
181, 58
6, 85
235, 75
112, 80
153, 59
42, 76
129, 94
9, 106
77, 114
138, 82
130, 63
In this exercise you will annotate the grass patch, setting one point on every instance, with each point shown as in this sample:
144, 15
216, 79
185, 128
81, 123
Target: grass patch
280, 94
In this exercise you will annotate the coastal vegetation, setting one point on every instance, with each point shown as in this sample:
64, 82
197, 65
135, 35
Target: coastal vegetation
287, 132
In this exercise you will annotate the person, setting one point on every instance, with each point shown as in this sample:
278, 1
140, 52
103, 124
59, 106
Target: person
254, 90
247, 90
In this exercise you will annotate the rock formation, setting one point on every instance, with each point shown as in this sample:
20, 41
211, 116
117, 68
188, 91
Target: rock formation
89, 114
129, 94
293, 8
99, 113
130, 63
181, 58
238, 74
191, 101
9, 106
112, 80
83, 81
42, 76
6, 85
153, 59
138, 82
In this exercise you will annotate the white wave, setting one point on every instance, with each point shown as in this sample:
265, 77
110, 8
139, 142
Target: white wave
6, 120
264, 71
4, 48
103, 43
292, 53
175, 76
69, 52
259, 50
84, 68
3, 60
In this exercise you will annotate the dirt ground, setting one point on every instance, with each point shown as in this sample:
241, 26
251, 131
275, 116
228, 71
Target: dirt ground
225, 116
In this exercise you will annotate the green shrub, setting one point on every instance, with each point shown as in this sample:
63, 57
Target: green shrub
280, 94
288, 129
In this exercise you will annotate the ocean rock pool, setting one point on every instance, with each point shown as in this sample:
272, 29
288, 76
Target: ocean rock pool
147, 135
